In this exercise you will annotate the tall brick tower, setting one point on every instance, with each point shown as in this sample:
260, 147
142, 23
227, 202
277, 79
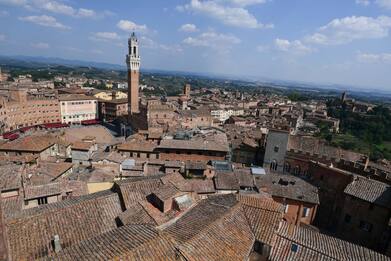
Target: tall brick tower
133, 63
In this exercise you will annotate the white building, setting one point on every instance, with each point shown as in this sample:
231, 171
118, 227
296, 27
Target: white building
223, 114
78, 108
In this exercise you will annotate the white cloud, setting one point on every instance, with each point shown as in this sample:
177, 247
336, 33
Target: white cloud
151, 44
228, 14
40, 45
44, 20
130, 26
86, 13
384, 3
374, 58
53, 6
2, 37
105, 36
347, 29
293, 47
245, 2
213, 40
189, 28
363, 2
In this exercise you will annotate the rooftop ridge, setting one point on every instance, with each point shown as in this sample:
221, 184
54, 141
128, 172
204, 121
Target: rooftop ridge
36, 211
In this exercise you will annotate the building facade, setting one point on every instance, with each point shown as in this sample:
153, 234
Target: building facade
19, 111
110, 110
78, 108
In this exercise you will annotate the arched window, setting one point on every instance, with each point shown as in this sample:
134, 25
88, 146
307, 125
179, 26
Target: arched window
287, 167
274, 165
134, 50
296, 170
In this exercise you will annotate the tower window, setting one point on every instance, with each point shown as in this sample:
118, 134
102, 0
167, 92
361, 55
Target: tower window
134, 50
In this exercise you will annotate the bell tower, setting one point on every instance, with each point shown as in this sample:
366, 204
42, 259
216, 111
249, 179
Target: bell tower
133, 64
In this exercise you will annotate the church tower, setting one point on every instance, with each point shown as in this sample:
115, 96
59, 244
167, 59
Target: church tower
133, 63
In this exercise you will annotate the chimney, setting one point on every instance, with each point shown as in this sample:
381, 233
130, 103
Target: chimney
57, 244
366, 160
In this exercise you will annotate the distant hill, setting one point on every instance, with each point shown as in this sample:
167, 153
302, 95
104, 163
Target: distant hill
41, 62
38, 62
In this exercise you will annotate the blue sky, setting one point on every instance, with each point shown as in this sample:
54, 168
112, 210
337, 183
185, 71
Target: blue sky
325, 41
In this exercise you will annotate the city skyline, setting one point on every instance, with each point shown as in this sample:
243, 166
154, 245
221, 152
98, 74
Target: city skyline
299, 40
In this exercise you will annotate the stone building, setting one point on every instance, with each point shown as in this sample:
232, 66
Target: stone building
276, 147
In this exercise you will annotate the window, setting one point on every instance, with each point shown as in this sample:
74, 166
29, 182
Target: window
294, 248
306, 212
287, 167
348, 218
273, 165
296, 170
365, 226
286, 206
42, 201
276, 149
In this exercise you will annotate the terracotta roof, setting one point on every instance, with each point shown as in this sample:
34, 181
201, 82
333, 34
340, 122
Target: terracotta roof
136, 215
165, 192
135, 189
48, 171
134, 242
312, 245
226, 181
215, 229
370, 190
199, 186
10, 177
29, 144
205, 145
31, 192
288, 186
264, 216
11, 206
198, 218
30, 233
137, 146
83, 146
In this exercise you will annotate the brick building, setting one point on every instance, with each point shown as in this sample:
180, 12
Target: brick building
299, 198
110, 110
19, 110
331, 183
366, 213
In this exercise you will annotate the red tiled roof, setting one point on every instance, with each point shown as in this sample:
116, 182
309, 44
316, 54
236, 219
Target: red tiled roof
30, 233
